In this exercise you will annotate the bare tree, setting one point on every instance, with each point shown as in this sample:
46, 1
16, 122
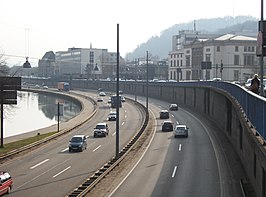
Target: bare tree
4, 69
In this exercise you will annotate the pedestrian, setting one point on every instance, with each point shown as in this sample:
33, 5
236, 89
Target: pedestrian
255, 84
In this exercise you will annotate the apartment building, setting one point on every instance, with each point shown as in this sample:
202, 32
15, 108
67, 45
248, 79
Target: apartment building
231, 57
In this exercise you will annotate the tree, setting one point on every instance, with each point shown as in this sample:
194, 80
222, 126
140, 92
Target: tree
4, 69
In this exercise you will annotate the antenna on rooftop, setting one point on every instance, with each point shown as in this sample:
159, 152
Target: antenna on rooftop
194, 25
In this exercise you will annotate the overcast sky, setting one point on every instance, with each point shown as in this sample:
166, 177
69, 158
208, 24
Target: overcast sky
33, 27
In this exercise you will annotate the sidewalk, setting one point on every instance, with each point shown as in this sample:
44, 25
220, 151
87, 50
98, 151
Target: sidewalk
88, 108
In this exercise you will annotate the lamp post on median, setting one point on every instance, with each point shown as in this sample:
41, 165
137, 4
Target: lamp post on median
147, 81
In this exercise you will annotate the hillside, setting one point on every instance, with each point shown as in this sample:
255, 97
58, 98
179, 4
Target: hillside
161, 45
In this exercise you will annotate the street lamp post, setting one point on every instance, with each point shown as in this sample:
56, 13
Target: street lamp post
147, 81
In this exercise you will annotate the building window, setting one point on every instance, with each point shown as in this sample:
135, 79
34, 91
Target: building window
174, 63
249, 60
187, 51
177, 62
171, 65
236, 60
218, 48
236, 48
187, 60
91, 57
181, 62
208, 49
208, 57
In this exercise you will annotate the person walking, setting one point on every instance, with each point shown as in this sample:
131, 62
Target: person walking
255, 84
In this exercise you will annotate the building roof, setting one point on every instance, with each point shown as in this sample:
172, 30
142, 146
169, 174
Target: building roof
235, 38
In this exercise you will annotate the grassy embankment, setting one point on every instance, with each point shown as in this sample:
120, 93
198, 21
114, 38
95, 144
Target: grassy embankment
18, 144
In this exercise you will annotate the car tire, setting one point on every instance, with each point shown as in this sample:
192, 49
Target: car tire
69, 150
95, 135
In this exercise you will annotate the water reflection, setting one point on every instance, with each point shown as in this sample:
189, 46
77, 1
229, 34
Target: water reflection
34, 111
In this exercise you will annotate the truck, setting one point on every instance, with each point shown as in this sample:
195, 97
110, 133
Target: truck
63, 86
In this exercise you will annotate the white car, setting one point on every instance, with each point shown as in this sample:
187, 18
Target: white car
102, 94
112, 116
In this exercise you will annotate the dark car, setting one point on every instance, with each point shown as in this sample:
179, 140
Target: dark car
6, 183
181, 131
173, 107
164, 114
167, 126
78, 143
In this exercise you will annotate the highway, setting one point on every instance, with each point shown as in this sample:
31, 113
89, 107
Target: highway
52, 171
197, 166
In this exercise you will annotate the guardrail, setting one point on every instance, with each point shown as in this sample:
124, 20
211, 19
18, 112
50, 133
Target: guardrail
88, 184
45, 140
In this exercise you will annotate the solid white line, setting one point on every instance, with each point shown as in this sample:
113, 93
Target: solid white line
114, 133
180, 147
154, 131
97, 148
64, 150
173, 175
39, 164
61, 172
125, 116
123, 123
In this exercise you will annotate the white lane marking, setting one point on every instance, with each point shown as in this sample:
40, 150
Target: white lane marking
25, 183
62, 171
123, 123
97, 148
173, 116
177, 122
65, 150
180, 147
125, 116
173, 174
125, 111
114, 133
121, 182
39, 164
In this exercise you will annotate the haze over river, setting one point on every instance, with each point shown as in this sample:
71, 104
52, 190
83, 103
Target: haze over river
35, 111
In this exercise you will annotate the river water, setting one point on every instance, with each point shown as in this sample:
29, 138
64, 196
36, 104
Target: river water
35, 111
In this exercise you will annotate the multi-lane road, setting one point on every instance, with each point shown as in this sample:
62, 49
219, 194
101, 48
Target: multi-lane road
197, 166
52, 171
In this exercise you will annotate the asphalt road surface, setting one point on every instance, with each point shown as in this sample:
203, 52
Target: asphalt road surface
52, 171
197, 166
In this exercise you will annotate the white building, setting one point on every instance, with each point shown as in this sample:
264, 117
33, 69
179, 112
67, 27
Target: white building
97, 63
232, 58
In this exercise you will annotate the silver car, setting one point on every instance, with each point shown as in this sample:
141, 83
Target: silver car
181, 131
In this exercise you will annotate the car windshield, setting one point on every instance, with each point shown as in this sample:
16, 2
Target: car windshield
100, 127
113, 113
76, 139
180, 129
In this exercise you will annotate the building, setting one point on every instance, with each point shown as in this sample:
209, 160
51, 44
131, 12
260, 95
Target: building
231, 58
46, 65
81, 62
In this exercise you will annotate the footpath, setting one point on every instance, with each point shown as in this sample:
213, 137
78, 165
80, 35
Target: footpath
87, 110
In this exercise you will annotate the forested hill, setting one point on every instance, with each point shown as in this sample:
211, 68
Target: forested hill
161, 45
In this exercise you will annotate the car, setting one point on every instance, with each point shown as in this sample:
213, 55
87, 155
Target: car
164, 114
78, 143
181, 131
102, 94
6, 183
100, 89
120, 92
167, 126
109, 100
173, 107
123, 99
45, 87
99, 99
101, 129
112, 116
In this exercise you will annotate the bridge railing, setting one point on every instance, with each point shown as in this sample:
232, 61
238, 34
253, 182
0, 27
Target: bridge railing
252, 104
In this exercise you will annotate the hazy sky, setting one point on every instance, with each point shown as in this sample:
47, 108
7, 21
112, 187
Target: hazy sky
33, 27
